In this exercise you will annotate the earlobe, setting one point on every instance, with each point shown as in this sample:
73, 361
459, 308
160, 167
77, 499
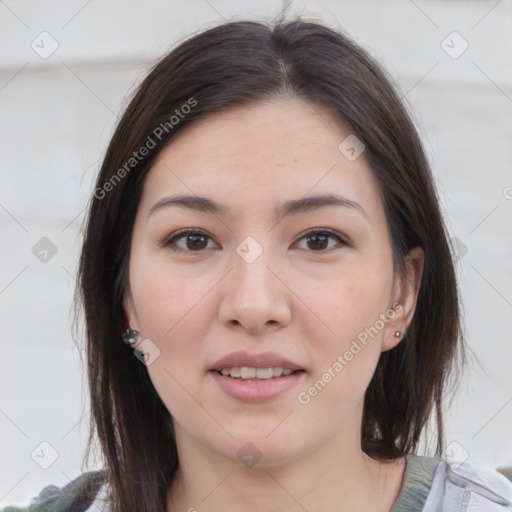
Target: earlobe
395, 329
130, 334
405, 296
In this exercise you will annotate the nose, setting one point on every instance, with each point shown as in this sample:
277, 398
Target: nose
255, 295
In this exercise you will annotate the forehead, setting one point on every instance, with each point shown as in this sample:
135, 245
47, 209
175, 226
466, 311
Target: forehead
263, 151
269, 129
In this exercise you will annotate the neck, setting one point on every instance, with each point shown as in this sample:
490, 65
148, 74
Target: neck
335, 476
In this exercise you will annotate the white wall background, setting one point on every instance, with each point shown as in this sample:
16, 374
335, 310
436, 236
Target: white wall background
58, 112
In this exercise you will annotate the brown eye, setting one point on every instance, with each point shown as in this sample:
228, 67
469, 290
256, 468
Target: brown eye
187, 241
197, 241
318, 241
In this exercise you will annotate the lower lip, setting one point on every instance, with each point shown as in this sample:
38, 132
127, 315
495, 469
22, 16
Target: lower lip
256, 390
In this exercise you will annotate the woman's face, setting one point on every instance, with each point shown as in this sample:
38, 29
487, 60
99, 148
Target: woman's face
253, 293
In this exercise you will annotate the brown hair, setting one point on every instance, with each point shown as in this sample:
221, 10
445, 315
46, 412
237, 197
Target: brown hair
229, 65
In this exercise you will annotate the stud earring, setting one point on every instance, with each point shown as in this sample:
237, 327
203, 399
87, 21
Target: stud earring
398, 334
130, 336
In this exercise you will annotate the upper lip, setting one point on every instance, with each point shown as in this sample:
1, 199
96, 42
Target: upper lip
263, 360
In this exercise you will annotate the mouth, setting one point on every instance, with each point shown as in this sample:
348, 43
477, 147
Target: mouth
255, 378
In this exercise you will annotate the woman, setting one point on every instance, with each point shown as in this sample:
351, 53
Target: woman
270, 301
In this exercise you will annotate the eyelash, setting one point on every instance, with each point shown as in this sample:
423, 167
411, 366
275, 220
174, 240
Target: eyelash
171, 241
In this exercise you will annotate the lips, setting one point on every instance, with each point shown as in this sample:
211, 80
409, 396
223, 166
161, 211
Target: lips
256, 378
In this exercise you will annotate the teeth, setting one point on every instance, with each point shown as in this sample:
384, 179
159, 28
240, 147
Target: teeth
264, 373
246, 372
278, 371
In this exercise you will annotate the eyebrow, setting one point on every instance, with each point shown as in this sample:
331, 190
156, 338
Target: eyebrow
291, 207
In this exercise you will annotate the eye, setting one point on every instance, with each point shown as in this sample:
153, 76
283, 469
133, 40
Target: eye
188, 240
318, 240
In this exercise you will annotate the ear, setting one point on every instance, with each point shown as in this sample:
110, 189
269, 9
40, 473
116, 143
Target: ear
404, 298
131, 316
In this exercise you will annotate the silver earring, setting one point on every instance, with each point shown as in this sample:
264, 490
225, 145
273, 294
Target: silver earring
398, 334
130, 336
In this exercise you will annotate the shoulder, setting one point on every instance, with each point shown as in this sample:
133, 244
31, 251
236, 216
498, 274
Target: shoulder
464, 487
469, 486
79, 495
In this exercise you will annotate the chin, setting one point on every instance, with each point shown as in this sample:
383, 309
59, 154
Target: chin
257, 450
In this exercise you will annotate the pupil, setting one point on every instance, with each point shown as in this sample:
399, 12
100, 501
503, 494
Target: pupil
315, 238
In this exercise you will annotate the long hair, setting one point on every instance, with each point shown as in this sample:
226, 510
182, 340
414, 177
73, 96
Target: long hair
233, 64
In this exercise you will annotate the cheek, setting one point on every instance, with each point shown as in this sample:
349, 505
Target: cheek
344, 362
347, 329
352, 302
167, 298
173, 311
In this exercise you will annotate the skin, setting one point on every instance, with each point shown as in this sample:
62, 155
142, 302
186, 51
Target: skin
304, 303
